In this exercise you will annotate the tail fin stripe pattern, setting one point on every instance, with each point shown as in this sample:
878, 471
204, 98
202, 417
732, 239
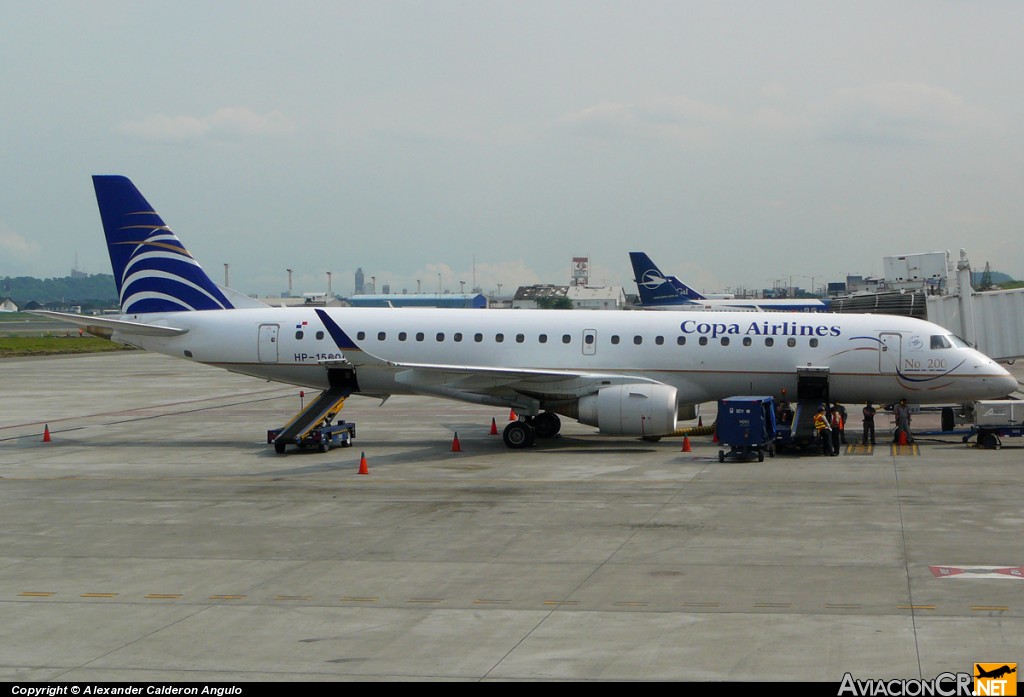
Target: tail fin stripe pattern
153, 270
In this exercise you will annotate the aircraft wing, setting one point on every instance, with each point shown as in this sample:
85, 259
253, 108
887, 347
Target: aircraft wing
467, 381
104, 326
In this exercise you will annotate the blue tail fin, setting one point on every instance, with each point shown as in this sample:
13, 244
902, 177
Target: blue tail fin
153, 270
656, 288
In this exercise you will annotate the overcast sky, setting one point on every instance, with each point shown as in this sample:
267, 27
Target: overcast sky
738, 143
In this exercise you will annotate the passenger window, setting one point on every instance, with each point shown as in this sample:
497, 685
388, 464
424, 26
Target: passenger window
478, 338
499, 337
298, 334
588, 339
638, 340
813, 343
703, 341
319, 335
769, 341
360, 335
440, 336
681, 340
659, 340
615, 338
402, 336
457, 336
381, 336
725, 341
419, 336
746, 341
543, 338
791, 342
566, 338
520, 338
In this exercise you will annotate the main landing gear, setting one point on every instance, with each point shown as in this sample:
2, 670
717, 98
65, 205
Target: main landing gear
526, 431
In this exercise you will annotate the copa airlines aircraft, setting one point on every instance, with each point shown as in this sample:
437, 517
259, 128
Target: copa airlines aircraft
627, 373
660, 292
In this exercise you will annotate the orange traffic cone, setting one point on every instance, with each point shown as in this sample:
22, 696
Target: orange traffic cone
903, 437
363, 469
494, 427
46, 433
456, 448
686, 445
512, 415
714, 436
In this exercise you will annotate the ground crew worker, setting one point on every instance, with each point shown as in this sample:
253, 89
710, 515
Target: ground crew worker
869, 425
824, 431
902, 413
836, 421
836, 406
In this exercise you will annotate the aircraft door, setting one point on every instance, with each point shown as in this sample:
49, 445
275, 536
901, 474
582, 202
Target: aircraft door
589, 342
268, 343
889, 353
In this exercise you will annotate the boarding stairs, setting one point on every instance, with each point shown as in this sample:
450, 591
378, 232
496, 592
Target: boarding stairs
320, 411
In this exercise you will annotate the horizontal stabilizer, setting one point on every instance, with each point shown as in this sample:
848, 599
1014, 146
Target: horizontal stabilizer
111, 325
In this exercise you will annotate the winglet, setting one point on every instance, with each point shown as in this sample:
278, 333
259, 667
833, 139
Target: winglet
342, 339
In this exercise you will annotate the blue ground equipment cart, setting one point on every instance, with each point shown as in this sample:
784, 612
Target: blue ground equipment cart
747, 426
323, 437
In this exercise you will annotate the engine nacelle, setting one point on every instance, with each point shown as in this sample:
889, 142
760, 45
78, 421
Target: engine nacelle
638, 409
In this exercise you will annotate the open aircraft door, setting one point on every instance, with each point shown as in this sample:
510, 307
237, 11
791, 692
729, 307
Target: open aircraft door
890, 351
268, 343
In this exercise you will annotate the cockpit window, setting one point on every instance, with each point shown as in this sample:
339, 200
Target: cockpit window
957, 341
939, 342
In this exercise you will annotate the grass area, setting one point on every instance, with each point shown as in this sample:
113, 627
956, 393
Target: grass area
13, 346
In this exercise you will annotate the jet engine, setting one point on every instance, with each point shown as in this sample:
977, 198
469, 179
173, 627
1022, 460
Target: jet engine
637, 409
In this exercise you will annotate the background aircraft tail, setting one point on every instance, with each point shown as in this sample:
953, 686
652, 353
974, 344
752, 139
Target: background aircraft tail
655, 288
152, 269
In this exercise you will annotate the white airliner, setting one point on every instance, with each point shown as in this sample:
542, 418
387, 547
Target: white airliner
627, 373
660, 292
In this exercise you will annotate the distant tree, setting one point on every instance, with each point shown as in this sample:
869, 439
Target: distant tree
551, 302
986, 278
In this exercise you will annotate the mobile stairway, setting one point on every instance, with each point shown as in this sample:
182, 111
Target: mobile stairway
312, 427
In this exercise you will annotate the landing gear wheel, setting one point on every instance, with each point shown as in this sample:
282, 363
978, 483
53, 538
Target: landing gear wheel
721, 456
988, 440
547, 424
518, 435
324, 446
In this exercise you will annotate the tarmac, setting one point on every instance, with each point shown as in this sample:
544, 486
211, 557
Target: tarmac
155, 536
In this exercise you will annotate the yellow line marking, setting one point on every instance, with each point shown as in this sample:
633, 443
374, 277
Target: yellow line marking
909, 449
97, 595
916, 607
350, 599
35, 594
484, 601
632, 603
163, 596
227, 597
841, 606
701, 604
990, 608
773, 604
561, 602
423, 600
293, 597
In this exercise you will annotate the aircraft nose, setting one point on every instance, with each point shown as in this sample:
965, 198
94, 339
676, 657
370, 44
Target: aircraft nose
1007, 384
